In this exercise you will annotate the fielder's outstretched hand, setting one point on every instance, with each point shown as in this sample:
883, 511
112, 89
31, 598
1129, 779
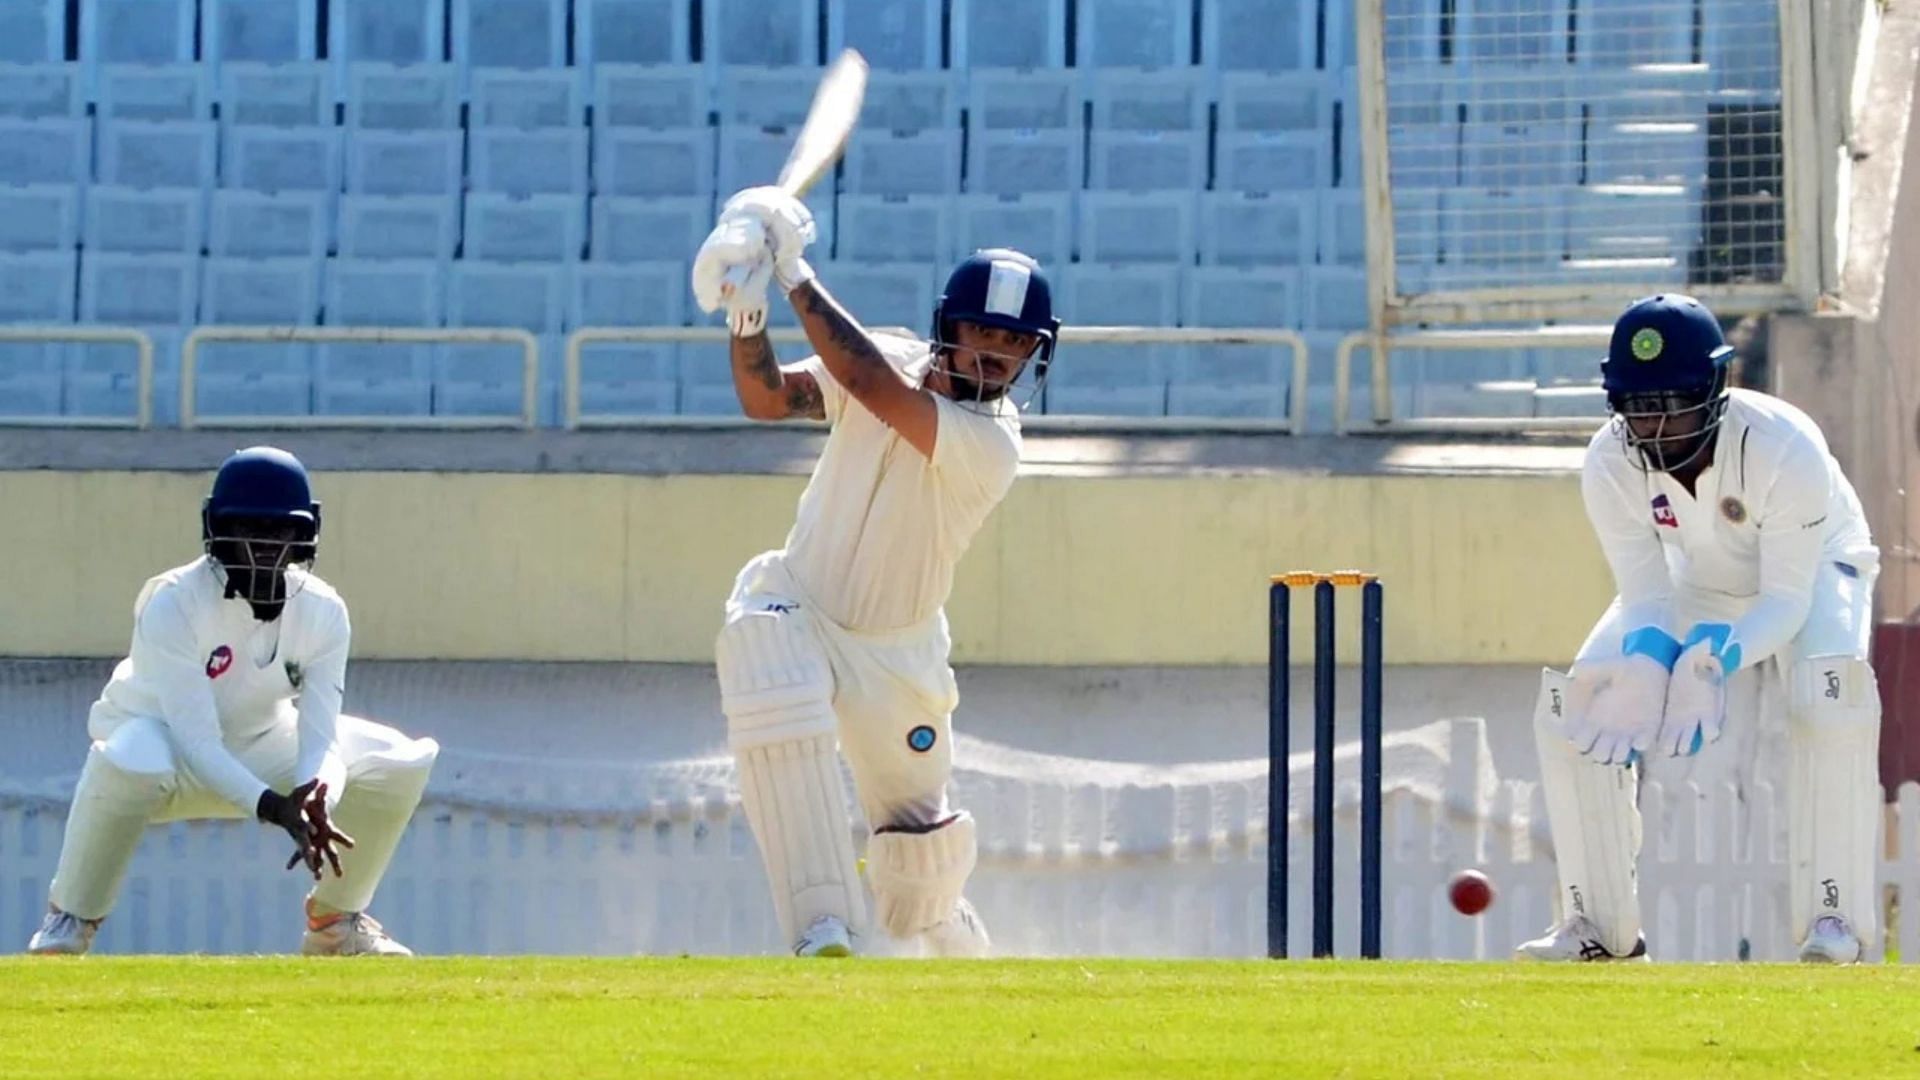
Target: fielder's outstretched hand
302, 812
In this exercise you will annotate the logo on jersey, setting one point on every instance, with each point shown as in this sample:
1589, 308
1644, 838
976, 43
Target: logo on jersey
781, 607
1647, 344
218, 661
921, 739
1663, 514
1733, 510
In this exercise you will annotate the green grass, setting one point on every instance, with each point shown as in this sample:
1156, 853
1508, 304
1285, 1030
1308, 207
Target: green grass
168, 1017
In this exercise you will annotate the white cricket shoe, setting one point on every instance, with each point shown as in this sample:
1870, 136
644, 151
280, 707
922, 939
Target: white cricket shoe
348, 933
61, 934
1830, 940
1577, 940
963, 935
825, 936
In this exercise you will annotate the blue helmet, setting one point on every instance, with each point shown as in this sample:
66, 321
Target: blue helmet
1004, 288
259, 519
1665, 344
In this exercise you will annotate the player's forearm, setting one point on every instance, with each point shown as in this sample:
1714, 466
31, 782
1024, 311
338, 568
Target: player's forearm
850, 356
757, 378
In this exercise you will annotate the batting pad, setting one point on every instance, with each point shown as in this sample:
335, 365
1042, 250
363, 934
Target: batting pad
1833, 793
1595, 820
917, 875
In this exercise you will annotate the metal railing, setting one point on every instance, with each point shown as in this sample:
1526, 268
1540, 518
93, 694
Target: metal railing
143, 378
1384, 421
530, 373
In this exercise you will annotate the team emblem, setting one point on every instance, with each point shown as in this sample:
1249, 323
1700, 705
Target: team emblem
921, 739
1733, 510
1663, 514
1647, 344
218, 661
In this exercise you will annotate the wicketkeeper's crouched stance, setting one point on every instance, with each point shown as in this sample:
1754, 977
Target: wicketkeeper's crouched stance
228, 706
842, 632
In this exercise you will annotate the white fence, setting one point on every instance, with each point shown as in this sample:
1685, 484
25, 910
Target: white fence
1078, 857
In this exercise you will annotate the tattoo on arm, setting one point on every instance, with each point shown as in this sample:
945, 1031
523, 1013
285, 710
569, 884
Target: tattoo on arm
755, 356
849, 338
803, 397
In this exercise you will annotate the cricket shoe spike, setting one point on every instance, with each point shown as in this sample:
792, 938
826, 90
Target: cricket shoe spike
1830, 940
348, 933
963, 935
1576, 940
61, 934
825, 936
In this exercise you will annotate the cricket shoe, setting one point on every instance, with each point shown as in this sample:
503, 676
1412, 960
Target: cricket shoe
1830, 941
348, 933
61, 934
1576, 940
963, 935
826, 935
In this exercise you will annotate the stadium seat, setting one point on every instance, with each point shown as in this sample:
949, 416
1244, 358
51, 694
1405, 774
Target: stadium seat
399, 226
162, 221
1510, 31
281, 291
1412, 32
1134, 34
479, 380
386, 31
765, 97
1343, 227
767, 33
893, 35
1539, 155
393, 97
1023, 101
1039, 224
649, 96
51, 151
282, 159
629, 230
883, 294
530, 296
28, 394
1336, 297
257, 31
1672, 151
38, 286
902, 163
1239, 229
910, 101
509, 34
1521, 230
136, 32
257, 224
537, 228
39, 217
1124, 227
40, 91
33, 31
1633, 222
657, 163
750, 156
403, 162
1017, 162
1260, 35
1741, 45
1266, 102
628, 294
994, 34
1235, 296
1632, 33
156, 153
1502, 94
103, 378
152, 92
147, 287
1147, 100
511, 98
1274, 161
1235, 381
631, 32
275, 95
894, 228
384, 292
1423, 159
385, 379
1093, 294
1147, 161
628, 378
551, 161
1116, 379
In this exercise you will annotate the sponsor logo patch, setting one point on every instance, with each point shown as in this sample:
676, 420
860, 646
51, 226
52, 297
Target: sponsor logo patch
1663, 514
921, 739
218, 661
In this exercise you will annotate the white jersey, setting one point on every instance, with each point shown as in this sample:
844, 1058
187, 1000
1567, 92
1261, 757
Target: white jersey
1770, 508
218, 678
880, 527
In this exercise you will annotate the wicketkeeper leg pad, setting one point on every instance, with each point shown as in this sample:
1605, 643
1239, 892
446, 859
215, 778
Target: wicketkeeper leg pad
1594, 816
1833, 792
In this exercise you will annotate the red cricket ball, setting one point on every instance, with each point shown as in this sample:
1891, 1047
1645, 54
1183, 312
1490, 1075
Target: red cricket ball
1470, 892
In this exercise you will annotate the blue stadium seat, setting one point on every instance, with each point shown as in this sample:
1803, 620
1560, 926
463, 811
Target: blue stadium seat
1412, 32
1095, 294
1633, 222
33, 31
531, 296
1147, 100
28, 395
904, 163
136, 32
1039, 224
994, 34
510, 33
1134, 34
1635, 152
1741, 45
1242, 229
650, 96
883, 294
1260, 35
632, 32
1336, 297
1343, 224
282, 159
479, 380
750, 156
649, 229
1239, 296
629, 378
38, 286
1274, 161
392, 97
910, 101
893, 35
765, 97
1510, 31
1047, 100
1540, 155
275, 95
551, 161
1016, 162
1147, 161
1235, 381
162, 221
1137, 227
656, 163
256, 224
1253, 101
399, 226
770, 33
386, 31
281, 291
51, 151
1631, 33
1114, 380
628, 294
894, 228
253, 378
511, 98
39, 217
373, 380
384, 292
40, 91
1512, 230
404, 162
129, 288
156, 153
1424, 159
152, 92
257, 31
539, 228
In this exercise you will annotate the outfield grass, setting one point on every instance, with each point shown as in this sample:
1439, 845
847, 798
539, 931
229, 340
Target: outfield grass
171, 1017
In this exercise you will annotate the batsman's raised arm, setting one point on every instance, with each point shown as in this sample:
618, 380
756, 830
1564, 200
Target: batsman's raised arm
768, 391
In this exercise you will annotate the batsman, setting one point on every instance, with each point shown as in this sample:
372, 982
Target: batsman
1745, 575
841, 635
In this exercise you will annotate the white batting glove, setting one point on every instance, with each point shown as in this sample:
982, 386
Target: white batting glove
1614, 707
1696, 706
789, 229
736, 243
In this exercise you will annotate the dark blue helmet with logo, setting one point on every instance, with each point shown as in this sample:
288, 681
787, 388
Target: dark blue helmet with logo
1663, 344
259, 519
1004, 288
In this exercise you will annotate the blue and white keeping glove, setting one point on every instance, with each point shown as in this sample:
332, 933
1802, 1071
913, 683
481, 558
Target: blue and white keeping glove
1696, 707
1614, 704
